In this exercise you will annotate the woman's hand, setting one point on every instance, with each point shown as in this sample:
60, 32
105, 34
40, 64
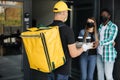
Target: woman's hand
95, 44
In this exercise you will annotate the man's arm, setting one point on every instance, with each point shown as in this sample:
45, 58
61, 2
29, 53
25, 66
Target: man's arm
114, 31
74, 52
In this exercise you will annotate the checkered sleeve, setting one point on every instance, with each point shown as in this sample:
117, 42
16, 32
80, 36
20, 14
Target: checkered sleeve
112, 35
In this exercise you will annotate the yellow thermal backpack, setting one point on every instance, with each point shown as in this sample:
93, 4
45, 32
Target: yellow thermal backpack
44, 48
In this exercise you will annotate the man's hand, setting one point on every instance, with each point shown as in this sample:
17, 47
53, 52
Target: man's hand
87, 46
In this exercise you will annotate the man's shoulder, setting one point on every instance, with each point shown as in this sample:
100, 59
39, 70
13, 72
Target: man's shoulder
112, 24
65, 27
100, 26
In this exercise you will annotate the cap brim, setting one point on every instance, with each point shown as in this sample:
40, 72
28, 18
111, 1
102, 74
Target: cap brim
62, 10
69, 9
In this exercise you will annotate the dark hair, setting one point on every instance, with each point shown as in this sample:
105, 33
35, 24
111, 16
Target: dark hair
106, 10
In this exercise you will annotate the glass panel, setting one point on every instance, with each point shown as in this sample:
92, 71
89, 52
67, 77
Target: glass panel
2, 15
11, 13
13, 17
9, 2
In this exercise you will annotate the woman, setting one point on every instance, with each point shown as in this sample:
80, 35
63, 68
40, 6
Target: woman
88, 58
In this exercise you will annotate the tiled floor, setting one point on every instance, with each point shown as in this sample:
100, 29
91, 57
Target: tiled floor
11, 67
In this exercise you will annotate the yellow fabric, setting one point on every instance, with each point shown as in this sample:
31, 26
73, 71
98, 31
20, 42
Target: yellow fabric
60, 6
35, 50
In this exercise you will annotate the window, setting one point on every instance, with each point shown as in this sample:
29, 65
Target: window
11, 13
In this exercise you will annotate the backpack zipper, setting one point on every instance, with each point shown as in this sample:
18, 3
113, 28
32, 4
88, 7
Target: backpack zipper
46, 51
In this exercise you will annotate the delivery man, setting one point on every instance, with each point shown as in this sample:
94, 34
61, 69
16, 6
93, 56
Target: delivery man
68, 41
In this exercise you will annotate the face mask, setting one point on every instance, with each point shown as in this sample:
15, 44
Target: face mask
104, 19
90, 25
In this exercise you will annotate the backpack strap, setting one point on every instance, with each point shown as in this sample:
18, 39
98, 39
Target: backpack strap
61, 25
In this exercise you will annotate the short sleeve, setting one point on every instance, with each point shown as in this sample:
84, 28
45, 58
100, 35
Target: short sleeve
70, 36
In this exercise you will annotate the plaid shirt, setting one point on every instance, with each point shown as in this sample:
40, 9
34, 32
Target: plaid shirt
109, 52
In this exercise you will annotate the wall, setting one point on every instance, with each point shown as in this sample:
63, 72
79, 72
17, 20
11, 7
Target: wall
117, 21
117, 12
42, 11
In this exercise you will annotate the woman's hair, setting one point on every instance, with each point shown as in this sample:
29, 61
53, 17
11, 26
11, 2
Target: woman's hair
94, 30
